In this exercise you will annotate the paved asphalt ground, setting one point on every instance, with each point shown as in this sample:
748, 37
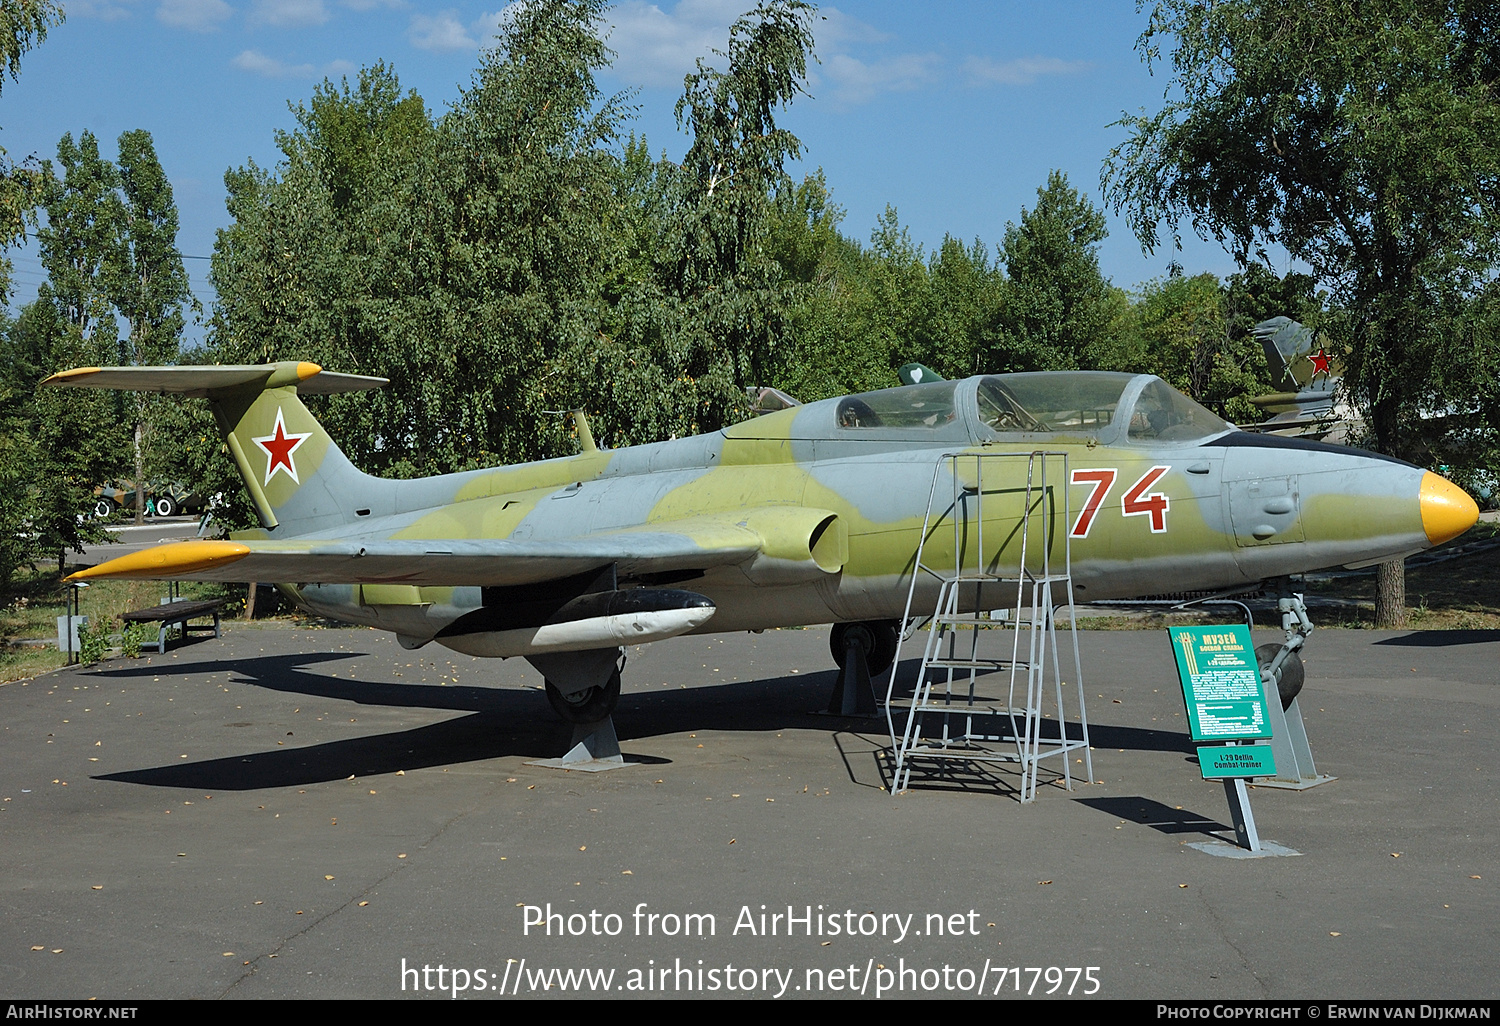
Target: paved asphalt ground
293, 812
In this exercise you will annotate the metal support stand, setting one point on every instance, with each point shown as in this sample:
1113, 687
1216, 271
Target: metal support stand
1241, 814
595, 749
1295, 769
853, 693
1249, 844
946, 719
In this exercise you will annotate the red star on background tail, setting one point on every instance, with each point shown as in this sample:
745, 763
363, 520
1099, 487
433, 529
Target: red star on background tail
1321, 362
279, 448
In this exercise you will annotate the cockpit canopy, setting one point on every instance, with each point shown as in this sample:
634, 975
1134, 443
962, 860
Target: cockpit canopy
1112, 408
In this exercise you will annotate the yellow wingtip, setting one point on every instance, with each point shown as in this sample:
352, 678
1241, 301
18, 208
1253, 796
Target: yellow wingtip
62, 377
306, 370
166, 561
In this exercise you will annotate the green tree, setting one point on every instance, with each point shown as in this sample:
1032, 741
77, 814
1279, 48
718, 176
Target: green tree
507, 260
526, 165
23, 24
722, 306
79, 440
1364, 138
1059, 311
836, 341
150, 285
338, 258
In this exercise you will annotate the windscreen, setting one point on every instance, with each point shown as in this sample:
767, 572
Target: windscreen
1071, 401
1163, 414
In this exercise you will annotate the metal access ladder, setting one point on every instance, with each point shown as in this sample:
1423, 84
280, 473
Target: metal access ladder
995, 614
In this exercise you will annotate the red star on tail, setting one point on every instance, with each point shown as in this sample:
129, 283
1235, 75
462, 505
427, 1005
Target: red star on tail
279, 448
1321, 362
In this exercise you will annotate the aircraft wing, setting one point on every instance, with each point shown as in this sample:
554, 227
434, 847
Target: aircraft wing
437, 562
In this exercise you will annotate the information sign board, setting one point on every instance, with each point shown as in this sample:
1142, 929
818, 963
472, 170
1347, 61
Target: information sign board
1220, 683
1219, 762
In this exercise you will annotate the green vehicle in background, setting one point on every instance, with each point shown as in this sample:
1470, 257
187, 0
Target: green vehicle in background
161, 500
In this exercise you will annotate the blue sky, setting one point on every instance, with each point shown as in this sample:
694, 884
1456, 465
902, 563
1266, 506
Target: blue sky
953, 112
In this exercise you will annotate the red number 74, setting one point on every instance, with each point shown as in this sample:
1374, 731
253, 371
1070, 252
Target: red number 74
1137, 500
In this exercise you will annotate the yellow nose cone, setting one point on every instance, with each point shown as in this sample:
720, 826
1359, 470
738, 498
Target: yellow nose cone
1447, 510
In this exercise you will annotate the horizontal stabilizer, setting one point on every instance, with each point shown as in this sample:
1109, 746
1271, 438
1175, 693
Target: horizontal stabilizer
309, 378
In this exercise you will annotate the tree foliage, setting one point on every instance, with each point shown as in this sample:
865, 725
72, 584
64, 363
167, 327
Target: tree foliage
1059, 312
23, 25
508, 260
1363, 137
108, 245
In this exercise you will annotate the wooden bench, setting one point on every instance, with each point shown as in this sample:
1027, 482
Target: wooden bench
177, 613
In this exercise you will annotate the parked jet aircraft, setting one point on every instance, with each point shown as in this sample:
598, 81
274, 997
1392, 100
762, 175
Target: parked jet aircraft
1307, 405
811, 514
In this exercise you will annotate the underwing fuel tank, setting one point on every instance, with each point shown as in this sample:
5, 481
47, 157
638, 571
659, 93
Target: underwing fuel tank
599, 620
1293, 504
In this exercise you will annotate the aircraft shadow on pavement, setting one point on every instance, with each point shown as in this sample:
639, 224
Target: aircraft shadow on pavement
1163, 818
509, 721
1442, 639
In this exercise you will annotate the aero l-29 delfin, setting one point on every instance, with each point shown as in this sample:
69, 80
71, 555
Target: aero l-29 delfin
808, 515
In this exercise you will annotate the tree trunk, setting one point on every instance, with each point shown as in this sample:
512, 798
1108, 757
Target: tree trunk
1390, 578
140, 477
1390, 594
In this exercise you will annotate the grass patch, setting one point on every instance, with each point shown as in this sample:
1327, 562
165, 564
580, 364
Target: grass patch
38, 599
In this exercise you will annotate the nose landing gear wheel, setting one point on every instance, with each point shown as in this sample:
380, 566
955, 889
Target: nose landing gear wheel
1292, 673
589, 705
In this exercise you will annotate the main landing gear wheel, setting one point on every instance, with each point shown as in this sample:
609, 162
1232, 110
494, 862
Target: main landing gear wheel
1292, 673
165, 507
877, 637
589, 705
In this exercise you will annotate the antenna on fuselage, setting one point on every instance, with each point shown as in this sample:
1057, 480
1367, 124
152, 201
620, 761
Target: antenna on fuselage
581, 423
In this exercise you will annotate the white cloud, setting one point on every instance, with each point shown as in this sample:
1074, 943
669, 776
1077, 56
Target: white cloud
444, 31
288, 13
855, 81
654, 48
197, 15
658, 46
269, 67
834, 28
370, 5
440, 32
1021, 71
486, 27
101, 9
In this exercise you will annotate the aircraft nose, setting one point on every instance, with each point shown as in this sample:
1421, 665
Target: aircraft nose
1447, 510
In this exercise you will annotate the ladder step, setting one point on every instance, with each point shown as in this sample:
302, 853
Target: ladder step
1008, 621
975, 664
960, 710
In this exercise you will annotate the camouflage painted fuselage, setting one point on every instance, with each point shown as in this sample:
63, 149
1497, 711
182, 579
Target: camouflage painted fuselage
841, 509
812, 514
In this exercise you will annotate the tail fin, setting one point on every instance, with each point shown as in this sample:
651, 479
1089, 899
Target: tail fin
1295, 361
297, 478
